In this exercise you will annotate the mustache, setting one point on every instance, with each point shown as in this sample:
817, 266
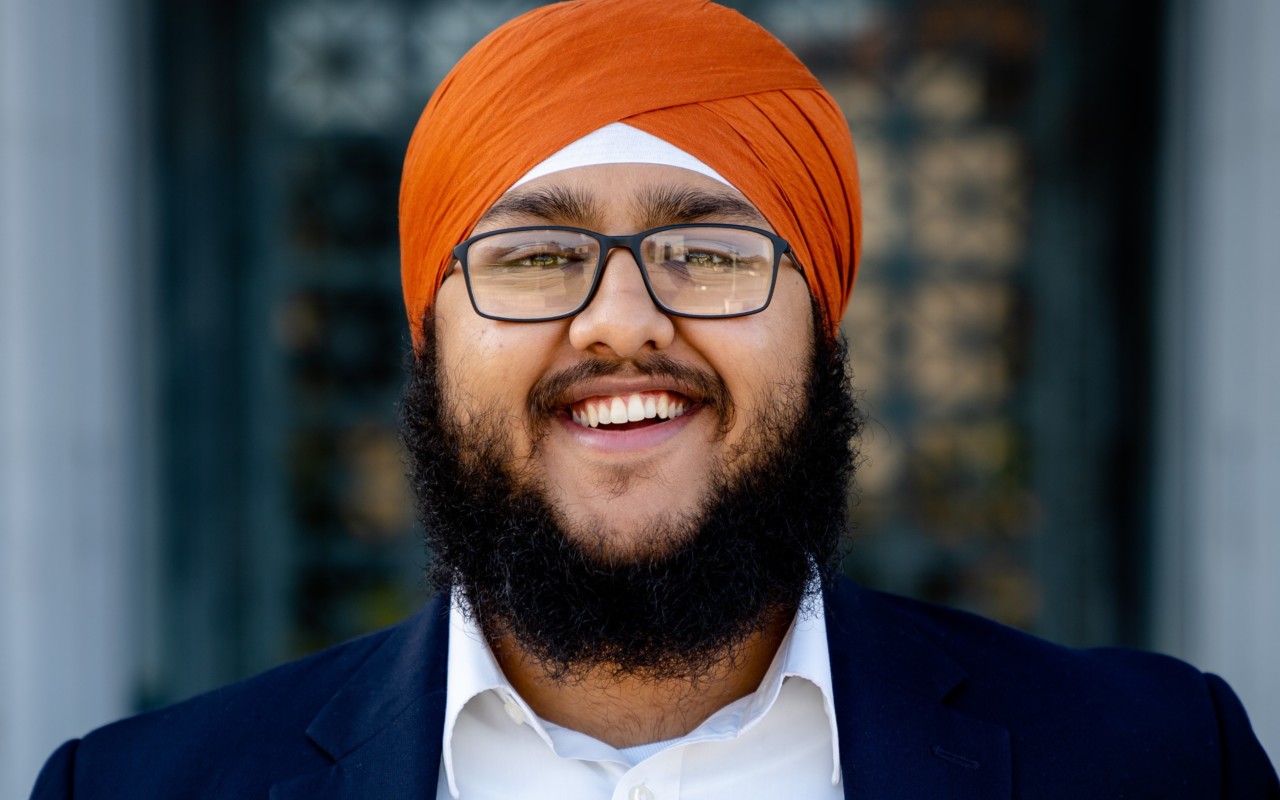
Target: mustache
549, 393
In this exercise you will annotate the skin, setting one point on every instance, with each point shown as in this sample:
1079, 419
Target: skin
618, 484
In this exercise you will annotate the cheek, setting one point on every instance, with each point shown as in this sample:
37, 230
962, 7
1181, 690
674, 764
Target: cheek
791, 330
469, 353
758, 355
487, 365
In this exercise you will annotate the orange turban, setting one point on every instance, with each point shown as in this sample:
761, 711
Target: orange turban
698, 75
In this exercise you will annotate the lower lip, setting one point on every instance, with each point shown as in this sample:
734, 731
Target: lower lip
603, 439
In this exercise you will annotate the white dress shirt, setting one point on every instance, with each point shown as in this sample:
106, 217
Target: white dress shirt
779, 741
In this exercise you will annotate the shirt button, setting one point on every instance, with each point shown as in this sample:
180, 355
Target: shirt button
640, 792
514, 711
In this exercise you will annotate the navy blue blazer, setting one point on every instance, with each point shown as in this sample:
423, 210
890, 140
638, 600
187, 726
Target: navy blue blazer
931, 703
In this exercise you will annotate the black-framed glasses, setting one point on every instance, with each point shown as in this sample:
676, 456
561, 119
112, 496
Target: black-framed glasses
542, 273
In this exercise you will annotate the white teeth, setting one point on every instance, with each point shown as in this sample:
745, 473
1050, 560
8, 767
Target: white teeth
635, 408
631, 408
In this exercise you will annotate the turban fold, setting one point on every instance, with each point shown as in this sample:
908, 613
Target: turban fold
698, 75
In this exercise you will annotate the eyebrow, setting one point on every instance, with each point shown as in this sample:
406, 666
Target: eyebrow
561, 205
655, 206
668, 205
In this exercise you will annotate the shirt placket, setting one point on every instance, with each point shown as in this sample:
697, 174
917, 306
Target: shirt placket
655, 778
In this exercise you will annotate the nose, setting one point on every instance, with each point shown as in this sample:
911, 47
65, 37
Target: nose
621, 320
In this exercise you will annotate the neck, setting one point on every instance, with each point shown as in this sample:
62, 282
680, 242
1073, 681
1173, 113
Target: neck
628, 710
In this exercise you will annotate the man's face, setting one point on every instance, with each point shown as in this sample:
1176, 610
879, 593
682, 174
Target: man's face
623, 482
650, 548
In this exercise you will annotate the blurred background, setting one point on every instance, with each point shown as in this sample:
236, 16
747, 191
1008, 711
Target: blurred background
1063, 326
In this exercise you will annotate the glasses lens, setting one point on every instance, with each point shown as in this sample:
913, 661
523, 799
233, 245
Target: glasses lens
709, 271
533, 274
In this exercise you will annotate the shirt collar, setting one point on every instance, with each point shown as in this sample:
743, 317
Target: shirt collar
803, 654
472, 671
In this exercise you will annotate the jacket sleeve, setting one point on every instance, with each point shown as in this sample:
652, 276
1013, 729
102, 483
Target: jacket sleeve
55, 780
1247, 774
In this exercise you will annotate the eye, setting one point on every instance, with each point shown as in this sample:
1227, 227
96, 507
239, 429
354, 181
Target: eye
543, 260
537, 258
709, 258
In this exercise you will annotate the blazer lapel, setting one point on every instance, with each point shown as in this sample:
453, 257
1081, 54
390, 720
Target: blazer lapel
898, 737
383, 727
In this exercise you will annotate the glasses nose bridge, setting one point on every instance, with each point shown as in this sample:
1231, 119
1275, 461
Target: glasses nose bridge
630, 243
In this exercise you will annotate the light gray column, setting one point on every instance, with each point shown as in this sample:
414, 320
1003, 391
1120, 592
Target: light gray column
69, 375
1218, 514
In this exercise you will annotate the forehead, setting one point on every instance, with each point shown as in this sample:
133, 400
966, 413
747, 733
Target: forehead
639, 196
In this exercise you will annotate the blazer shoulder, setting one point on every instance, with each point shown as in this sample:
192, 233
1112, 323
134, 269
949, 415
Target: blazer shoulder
1117, 711
55, 779
234, 741
993, 652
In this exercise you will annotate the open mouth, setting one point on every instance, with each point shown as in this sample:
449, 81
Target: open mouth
625, 412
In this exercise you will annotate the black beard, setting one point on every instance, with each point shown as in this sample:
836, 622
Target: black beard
773, 522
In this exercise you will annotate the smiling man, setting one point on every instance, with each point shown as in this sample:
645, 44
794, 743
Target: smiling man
632, 424
629, 229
